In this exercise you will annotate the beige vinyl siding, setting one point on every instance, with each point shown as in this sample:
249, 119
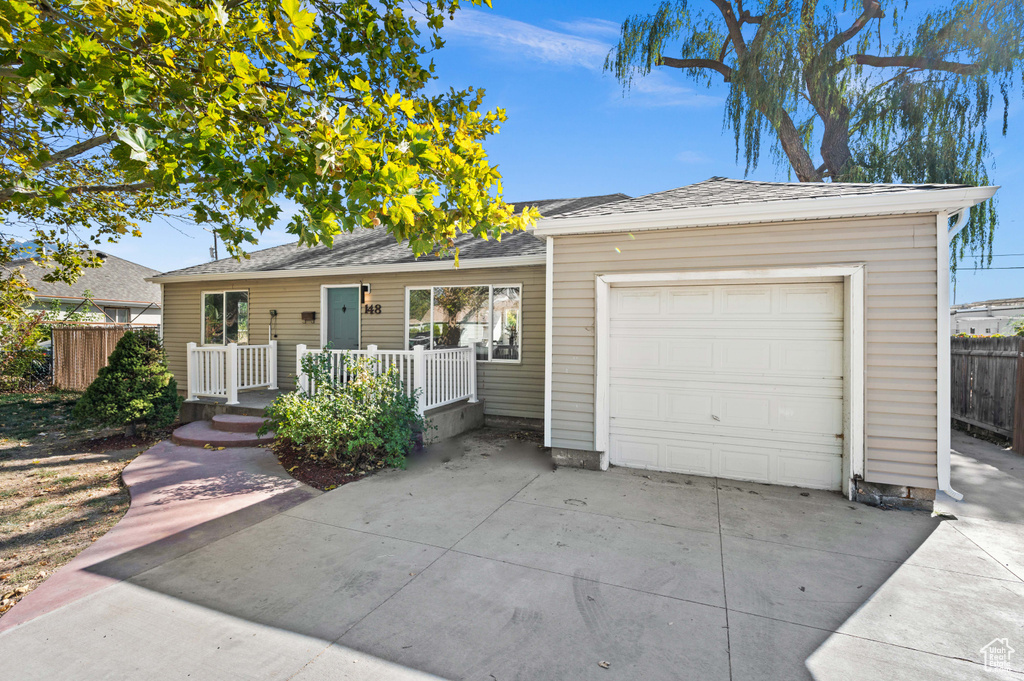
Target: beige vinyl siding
900, 306
510, 389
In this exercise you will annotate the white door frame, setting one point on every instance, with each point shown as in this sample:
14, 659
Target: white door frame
853, 344
324, 312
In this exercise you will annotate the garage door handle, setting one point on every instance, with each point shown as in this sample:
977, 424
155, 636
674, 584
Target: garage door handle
715, 417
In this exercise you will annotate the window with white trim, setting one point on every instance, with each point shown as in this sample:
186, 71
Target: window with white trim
117, 315
225, 317
455, 316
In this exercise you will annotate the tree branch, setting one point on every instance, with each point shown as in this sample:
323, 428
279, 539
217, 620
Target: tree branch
75, 150
926, 63
696, 64
7, 194
735, 30
872, 10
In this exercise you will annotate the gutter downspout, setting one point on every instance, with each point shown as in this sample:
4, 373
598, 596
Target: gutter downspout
944, 236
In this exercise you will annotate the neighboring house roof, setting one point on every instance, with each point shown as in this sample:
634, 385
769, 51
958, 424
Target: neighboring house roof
1000, 302
721, 201
365, 248
117, 280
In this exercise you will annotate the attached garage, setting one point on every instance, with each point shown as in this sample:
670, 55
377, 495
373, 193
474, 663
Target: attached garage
741, 381
792, 334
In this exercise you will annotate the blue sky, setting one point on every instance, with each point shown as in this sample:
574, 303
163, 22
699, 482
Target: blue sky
571, 132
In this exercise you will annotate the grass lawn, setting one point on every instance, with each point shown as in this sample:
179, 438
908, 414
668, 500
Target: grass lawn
60, 488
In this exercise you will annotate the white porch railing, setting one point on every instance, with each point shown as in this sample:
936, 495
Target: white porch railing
223, 370
441, 376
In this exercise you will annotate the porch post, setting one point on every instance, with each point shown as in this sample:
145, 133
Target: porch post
472, 372
232, 373
371, 354
272, 365
191, 377
300, 379
419, 376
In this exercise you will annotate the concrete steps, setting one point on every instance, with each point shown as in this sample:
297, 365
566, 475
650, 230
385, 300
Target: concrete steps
225, 430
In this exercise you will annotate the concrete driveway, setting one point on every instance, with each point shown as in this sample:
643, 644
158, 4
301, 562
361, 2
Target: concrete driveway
481, 562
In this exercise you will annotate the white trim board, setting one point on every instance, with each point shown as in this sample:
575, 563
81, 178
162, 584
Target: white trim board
865, 205
426, 266
853, 341
549, 316
943, 368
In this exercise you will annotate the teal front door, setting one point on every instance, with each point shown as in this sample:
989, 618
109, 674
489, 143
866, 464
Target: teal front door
343, 318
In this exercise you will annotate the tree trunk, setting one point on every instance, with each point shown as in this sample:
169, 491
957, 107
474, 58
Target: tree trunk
793, 147
130, 430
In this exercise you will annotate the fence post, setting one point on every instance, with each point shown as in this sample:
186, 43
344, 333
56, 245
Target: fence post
300, 378
472, 372
231, 369
419, 376
1018, 402
190, 372
371, 354
272, 365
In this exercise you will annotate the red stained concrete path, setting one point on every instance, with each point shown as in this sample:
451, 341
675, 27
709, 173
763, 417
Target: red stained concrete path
182, 498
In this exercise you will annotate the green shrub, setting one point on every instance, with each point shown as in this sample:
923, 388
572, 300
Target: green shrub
367, 421
134, 389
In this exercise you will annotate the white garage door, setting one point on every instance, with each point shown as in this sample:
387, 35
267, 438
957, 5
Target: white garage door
735, 381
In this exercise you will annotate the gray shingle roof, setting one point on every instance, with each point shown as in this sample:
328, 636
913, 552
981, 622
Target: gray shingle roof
366, 247
116, 279
719, 191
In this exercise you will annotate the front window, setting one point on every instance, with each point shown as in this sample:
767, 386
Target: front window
455, 316
225, 317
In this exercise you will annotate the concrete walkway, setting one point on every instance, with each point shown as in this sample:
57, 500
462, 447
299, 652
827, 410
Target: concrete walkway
181, 498
481, 562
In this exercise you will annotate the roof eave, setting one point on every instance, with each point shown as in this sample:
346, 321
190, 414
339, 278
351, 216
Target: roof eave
863, 205
427, 266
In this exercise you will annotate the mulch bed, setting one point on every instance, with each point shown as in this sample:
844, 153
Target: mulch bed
322, 476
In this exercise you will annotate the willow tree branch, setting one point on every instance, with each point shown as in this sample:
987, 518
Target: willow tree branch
733, 24
697, 64
925, 63
872, 10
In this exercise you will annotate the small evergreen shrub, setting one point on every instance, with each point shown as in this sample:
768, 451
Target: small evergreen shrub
134, 389
366, 422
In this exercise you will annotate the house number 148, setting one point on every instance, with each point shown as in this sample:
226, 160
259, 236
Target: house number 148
372, 309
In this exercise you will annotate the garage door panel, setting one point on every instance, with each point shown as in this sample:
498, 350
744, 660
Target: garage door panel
745, 464
634, 302
743, 355
637, 453
744, 300
739, 381
635, 353
743, 411
803, 471
684, 302
807, 300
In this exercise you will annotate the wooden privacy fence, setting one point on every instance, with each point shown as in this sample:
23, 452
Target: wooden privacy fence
986, 385
80, 351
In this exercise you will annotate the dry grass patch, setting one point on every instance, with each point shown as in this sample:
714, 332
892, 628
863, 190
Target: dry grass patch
60, 489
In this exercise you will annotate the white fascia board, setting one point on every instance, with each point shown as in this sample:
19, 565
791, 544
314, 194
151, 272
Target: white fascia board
429, 266
864, 205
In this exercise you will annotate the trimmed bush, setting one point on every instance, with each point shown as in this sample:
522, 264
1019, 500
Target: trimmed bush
366, 422
134, 389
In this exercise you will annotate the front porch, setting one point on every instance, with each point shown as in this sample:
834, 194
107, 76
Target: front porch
243, 380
